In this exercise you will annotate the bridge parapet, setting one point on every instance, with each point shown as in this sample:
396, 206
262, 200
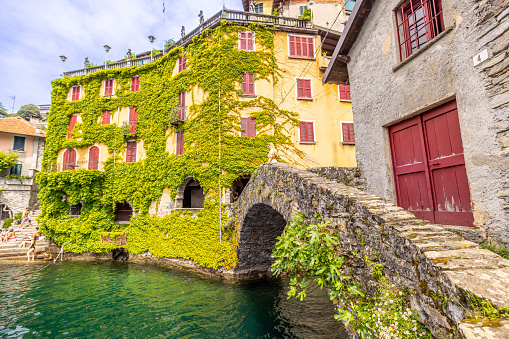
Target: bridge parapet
440, 266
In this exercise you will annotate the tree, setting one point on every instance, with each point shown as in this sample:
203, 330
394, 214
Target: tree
26, 110
3, 111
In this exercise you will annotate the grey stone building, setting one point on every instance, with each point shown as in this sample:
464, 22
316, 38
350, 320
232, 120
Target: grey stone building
430, 97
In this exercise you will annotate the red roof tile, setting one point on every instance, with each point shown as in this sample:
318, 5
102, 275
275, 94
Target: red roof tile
18, 126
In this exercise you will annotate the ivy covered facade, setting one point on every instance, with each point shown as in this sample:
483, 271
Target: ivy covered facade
153, 151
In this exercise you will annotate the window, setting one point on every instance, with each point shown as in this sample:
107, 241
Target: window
133, 119
248, 126
135, 84
106, 118
75, 210
418, 21
182, 106
349, 4
347, 133
180, 143
69, 160
123, 212
93, 158
344, 93
19, 144
72, 123
182, 63
258, 8
307, 133
108, 86
246, 41
15, 170
302, 9
247, 85
301, 47
76, 93
130, 154
304, 89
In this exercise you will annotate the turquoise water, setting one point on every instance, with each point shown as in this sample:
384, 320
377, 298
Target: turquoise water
123, 300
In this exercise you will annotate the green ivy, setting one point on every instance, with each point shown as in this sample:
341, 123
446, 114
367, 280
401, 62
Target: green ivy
215, 65
7, 160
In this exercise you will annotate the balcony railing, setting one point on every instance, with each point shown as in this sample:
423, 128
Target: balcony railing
214, 21
129, 127
57, 167
178, 115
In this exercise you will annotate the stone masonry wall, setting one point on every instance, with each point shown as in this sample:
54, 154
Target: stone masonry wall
19, 194
440, 266
386, 91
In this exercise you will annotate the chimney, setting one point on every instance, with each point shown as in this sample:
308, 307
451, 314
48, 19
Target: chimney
35, 119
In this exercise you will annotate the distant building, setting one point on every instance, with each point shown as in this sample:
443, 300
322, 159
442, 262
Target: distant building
19, 136
44, 110
429, 85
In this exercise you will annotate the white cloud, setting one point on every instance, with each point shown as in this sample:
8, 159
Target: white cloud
34, 33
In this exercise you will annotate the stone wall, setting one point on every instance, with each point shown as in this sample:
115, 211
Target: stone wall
386, 91
438, 265
19, 194
350, 176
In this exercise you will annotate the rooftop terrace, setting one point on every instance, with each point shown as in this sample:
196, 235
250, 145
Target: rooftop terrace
281, 23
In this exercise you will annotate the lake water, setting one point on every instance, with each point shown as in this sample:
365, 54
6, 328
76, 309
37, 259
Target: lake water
125, 300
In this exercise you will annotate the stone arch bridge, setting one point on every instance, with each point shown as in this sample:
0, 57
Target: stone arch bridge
439, 265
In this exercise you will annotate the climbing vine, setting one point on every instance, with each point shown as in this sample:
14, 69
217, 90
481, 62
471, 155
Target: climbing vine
214, 72
7, 160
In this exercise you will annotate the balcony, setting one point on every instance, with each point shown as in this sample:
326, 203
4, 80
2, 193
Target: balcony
66, 166
281, 23
129, 127
178, 115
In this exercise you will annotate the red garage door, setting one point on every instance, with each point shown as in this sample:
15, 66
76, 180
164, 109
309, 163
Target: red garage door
429, 167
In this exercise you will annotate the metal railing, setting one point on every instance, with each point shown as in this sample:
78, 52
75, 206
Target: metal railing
215, 20
57, 167
178, 115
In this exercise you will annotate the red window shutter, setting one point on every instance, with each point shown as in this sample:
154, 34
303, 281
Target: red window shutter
251, 127
306, 131
180, 143
106, 118
108, 87
72, 123
131, 151
344, 92
93, 158
291, 47
311, 48
250, 42
69, 160
243, 41
304, 53
307, 88
348, 132
135, 84
75, 96
244, 127
300, 88
133, 119
182, 63
247, 84
298, 46
182, 105
65, 160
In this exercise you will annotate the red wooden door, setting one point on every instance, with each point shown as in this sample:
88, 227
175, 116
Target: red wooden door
429, 167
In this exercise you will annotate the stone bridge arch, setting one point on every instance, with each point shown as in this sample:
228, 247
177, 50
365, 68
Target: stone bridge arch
414, 253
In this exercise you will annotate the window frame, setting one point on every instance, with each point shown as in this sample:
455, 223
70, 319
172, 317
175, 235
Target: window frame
257, 8
138, 83
254, 85
98, 158
69, 131
181, 63
240, 39
347, 142
433, 24
14, 143
301, 36
112, 88
248, 130
79, 92
76, 160
109, 117
349, 93
15, 169
135, 151
312, 122
297, 89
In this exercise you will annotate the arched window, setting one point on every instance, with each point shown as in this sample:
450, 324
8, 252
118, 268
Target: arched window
93, 158
69, 161
193, 195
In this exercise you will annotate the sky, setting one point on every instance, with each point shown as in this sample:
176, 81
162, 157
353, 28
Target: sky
34, 33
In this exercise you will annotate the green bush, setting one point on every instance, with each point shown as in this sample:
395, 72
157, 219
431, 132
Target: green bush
7, 160
8, 222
